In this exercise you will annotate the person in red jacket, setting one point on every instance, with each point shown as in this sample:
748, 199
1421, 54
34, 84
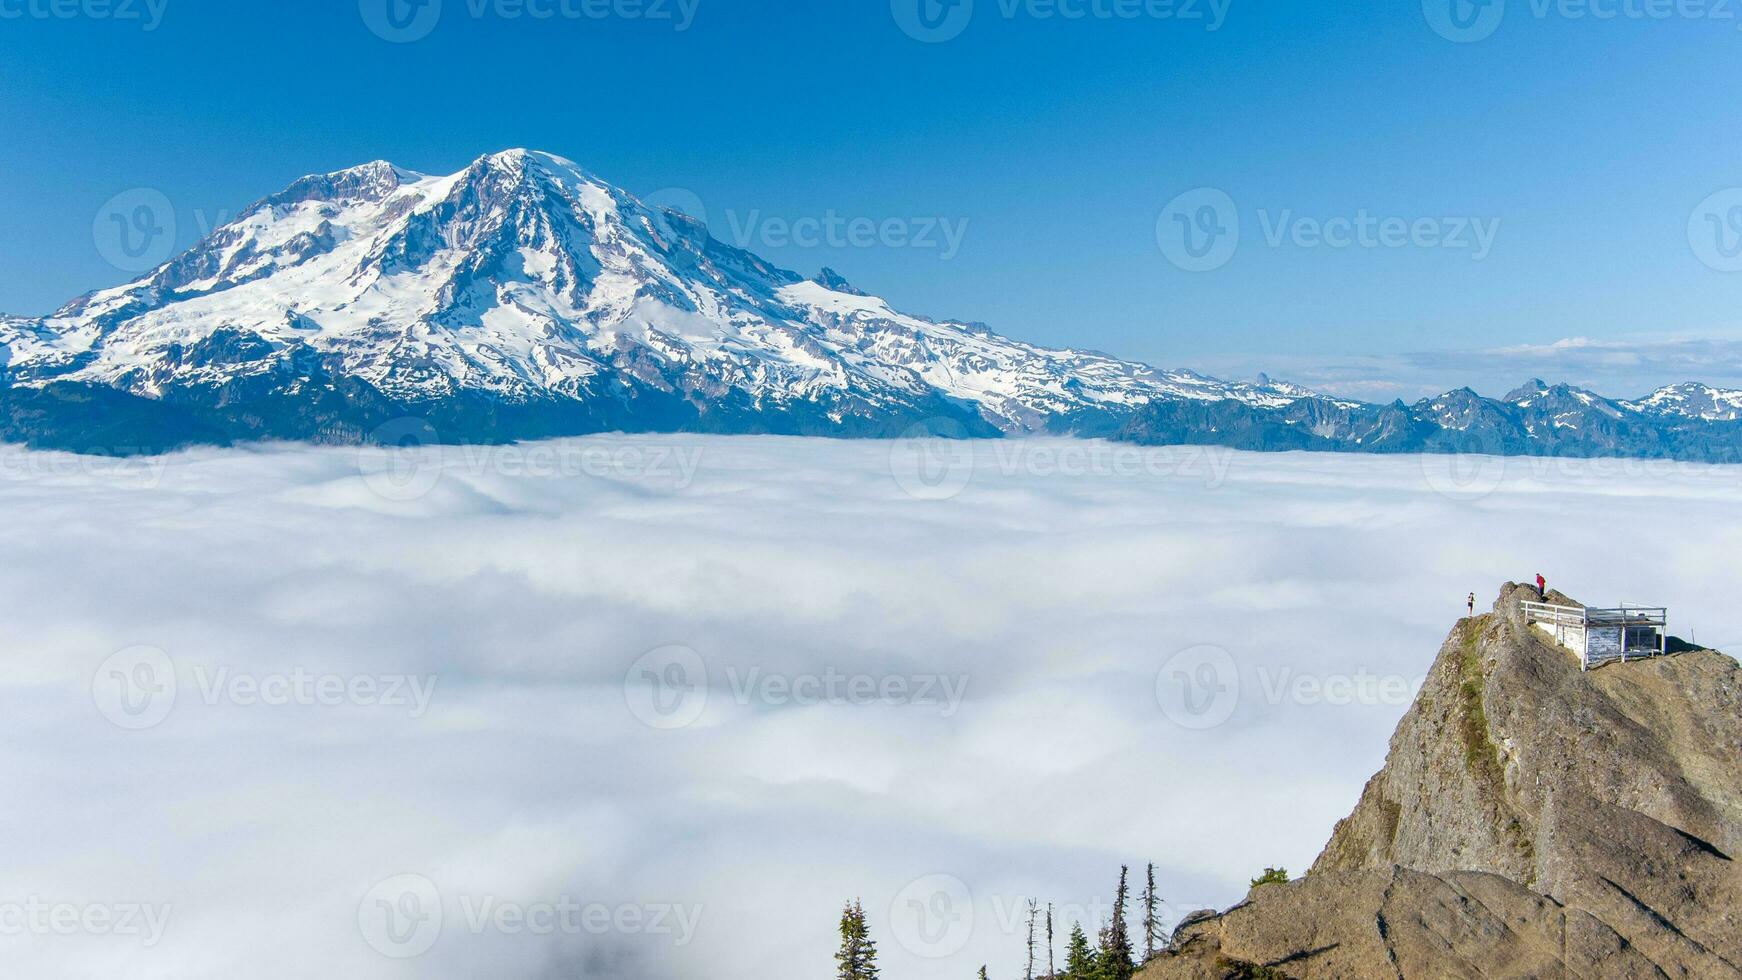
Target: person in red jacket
1541, 588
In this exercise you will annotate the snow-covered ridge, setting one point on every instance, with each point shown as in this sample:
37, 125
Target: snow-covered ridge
1691, 401
525, 278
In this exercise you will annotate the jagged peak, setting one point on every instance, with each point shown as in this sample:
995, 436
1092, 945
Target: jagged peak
521, 159
367, 182
835, 282
1535, 386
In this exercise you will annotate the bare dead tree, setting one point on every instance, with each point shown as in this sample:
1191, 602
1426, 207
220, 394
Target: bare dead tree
1033, 911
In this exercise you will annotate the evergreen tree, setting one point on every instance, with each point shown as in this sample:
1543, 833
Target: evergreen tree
1271, 876
858, 955
1151, 928
1080, 960
1051, 971
1115, 940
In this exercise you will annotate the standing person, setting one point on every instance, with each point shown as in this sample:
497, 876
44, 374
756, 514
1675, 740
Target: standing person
1472, 602
1541, 588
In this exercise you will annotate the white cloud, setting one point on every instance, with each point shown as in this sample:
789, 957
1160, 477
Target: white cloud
526, 598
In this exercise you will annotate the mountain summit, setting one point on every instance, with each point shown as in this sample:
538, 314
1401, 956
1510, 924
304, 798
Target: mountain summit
524, 296
1532, 820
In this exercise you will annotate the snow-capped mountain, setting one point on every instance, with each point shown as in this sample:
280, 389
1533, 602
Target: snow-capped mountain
549, 301
524, 297
1691, 401
1680, 422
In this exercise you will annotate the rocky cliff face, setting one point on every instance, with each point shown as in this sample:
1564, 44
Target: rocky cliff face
1531, 820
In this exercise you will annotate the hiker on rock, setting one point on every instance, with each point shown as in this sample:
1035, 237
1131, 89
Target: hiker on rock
1541, 588
1472, 603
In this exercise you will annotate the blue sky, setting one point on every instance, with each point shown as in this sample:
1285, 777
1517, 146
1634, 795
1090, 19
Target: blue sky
1530, 187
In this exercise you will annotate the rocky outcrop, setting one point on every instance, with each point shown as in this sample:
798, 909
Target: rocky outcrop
1531, 820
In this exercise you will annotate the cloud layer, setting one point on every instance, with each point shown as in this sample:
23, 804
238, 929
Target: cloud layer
728, 684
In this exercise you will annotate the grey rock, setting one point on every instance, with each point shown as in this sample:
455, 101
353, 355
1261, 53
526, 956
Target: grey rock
1531, 820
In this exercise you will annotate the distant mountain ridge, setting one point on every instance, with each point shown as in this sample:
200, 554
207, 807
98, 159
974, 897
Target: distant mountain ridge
524, 297
1686, 422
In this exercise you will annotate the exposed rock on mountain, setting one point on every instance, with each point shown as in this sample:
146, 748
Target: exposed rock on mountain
1531, 820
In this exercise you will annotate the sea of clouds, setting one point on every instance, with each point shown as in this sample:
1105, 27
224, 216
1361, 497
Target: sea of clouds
656, 707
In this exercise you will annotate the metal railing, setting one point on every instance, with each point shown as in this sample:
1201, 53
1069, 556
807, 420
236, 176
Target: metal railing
1626, 623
